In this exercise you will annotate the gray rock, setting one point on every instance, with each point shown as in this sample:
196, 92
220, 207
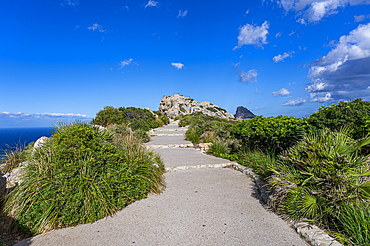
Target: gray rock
2, 187
40, 142
179, 105
243, 113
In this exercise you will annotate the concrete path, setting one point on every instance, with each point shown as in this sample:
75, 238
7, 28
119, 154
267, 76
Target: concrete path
207, 206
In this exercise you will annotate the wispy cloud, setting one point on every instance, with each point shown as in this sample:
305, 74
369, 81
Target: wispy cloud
295, 102
259, 108
245, 77
72, 3
20, 119
279, 58
256, 91
359, 18
344, 73
151, 3
253, 35
178, 65
315, 10
125, 63
182, 13
95, 27
278, 34
282, 92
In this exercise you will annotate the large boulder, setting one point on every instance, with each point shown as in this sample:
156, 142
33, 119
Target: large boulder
243, 113
179, 105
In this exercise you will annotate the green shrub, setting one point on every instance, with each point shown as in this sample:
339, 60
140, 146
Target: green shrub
12, 157
272, 134
192, 135
135, 118
354, 221
219, 148
81, 175
258, 161
109, 116
354, 114
321, 173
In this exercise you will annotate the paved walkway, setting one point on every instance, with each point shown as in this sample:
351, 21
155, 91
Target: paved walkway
206, 206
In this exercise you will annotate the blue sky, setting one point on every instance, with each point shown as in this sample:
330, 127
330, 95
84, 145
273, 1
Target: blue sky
68, 59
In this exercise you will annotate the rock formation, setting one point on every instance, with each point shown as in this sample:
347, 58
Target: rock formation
243, 113
179, 105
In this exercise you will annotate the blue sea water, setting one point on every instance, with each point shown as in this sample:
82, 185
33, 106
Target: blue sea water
10, 137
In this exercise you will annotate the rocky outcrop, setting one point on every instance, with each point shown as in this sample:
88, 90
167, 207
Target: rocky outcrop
179, 105
243, 113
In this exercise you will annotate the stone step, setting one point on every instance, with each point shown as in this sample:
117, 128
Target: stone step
163, 146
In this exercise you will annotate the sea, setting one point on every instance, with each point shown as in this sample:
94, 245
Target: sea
11, 137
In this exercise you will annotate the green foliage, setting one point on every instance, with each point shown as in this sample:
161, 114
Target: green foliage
219, 148
272, 134
135, 118
205, 128
81, 175
182, 108
109, 116
13, 156
192, 135
354, 221
258, 161
321, 173
354, 114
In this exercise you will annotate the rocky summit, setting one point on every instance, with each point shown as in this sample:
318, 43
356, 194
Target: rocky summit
243, 113
179, 105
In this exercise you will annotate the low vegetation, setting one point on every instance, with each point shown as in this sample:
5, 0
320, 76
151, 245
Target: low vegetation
317, 167
84, 172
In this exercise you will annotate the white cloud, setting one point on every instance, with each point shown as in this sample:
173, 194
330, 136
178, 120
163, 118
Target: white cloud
182, 13
282, 92
95, 27
151, 3
344, 73
247, 12
245, 77
279, 58
278, 34
302, 21
253, 35
359, 18
295, 102
315, 10
259, 108
177, 65
125, 63
39, 119
70, 3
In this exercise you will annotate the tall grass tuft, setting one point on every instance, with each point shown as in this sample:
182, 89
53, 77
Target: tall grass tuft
12, 157
83, 174
355, 221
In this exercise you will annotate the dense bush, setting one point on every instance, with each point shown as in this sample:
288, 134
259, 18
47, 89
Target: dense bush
354, 114
135, 118
80, 175
320, 174
205, 128
272, 134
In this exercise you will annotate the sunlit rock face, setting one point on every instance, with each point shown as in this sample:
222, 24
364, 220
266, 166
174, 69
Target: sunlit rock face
179, 105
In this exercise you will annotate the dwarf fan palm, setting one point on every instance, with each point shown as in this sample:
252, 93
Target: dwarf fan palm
314, 178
